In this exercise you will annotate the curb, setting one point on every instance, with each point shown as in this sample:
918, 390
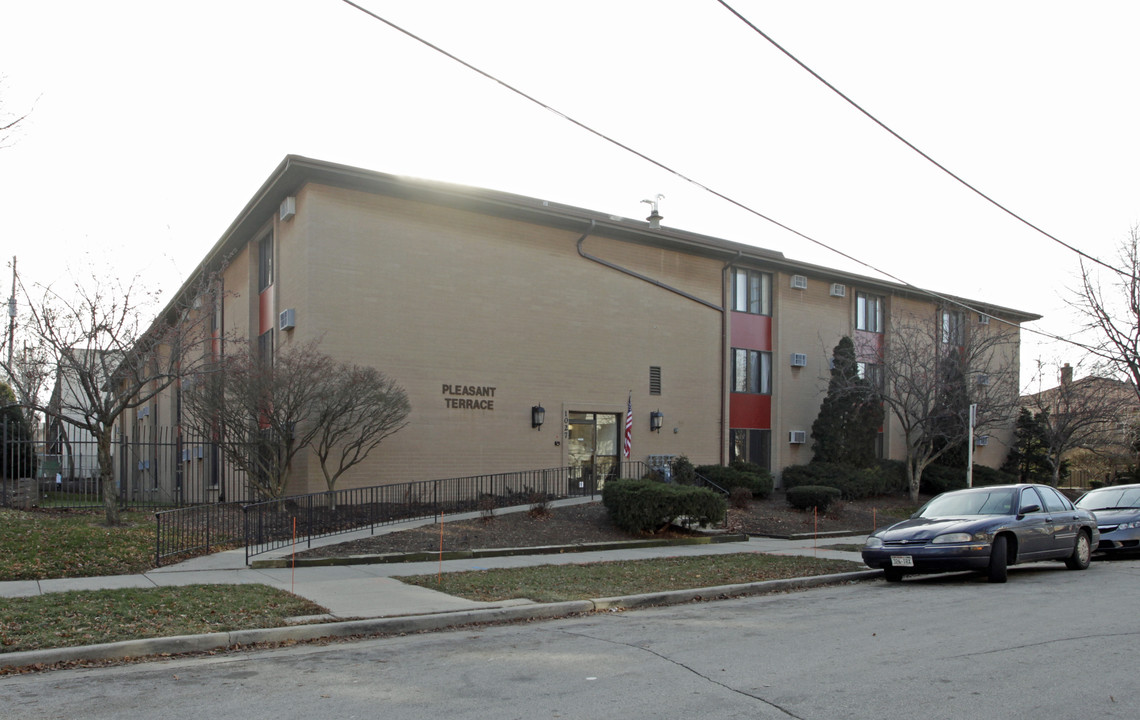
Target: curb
428, 556
412, 623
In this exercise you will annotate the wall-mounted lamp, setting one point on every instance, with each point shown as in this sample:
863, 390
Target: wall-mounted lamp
655, 420
537, 416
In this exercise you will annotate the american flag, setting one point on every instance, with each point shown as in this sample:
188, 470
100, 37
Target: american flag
628, 446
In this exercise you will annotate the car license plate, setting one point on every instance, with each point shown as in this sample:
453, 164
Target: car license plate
902, 561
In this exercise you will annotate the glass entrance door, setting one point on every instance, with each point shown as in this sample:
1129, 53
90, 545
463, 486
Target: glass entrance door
592, 445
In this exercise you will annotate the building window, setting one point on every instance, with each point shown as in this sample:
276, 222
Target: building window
265, 263
872, 373
654, 380
752, 292
752, 446
953, 327
751, 371
265, 348
868, 312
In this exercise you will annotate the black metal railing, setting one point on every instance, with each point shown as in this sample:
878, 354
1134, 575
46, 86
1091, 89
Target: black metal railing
197, 530
300, 519
154, 467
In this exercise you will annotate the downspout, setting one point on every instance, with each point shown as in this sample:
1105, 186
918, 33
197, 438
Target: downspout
722, 309
638, 275
725, 293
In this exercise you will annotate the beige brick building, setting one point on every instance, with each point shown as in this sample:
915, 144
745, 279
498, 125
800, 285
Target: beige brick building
483, 305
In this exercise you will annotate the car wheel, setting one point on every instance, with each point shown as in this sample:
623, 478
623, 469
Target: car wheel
1082, 553
998, 571
892, 574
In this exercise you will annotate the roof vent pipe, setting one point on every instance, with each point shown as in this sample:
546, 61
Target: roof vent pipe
654, 217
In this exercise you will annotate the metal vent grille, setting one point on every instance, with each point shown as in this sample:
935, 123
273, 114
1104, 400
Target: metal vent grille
654, 380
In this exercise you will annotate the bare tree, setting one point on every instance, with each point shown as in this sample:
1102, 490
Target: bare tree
99, 338
1091, 413
266, 410
1112, 312
263, 410
361, 408
8, 120
927, 361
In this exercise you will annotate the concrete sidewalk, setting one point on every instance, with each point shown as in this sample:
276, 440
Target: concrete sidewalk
362, 593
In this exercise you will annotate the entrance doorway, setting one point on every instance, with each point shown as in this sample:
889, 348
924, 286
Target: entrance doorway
592, 445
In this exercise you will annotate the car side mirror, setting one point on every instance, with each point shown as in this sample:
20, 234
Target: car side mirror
1029, 510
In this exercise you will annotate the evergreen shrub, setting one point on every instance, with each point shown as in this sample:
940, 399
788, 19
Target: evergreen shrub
759, 484
853, 483
984, 476
939, 479
805, 497
645, 506
683, 471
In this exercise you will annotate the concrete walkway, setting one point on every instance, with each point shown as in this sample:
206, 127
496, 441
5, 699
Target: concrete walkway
359, 593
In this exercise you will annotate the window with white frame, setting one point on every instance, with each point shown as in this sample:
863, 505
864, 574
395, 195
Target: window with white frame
752, 291
868, 312
953, 327
751, 371
264, 263
872, 373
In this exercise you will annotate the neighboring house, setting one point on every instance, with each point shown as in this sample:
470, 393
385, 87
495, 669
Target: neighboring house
484, 305
1103, 414
71, 450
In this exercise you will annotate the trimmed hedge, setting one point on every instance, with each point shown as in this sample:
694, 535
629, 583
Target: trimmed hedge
852, 483
759, 484
645, 506
939, 478
805, 497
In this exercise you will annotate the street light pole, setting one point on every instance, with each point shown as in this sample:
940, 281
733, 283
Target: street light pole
12, 316
970, 446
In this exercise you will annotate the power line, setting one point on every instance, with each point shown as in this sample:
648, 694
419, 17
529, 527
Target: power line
702, 186
906, 142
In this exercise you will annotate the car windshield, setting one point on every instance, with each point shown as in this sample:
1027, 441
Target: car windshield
974, 502
1111, 499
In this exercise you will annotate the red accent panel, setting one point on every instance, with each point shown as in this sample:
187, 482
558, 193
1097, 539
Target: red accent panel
749, 412
751, 331
265, 311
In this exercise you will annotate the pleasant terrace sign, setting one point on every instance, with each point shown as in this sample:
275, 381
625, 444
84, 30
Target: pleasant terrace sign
468, 397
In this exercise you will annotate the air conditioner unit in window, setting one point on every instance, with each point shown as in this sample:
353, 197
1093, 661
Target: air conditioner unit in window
287, 320
838, 290
797, 437
982, 440
799, 282
185, 456
288, 208
799, 360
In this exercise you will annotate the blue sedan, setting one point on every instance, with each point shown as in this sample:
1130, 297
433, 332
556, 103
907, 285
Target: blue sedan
1117, 510
985, 529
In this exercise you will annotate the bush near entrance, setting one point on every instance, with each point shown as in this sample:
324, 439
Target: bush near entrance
853, 483
806, 497
645, 506
746, 475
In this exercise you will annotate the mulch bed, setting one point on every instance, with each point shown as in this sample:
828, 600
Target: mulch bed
590, 523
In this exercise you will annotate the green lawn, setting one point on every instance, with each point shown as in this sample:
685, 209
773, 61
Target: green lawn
88, 617
557, 583
38, 546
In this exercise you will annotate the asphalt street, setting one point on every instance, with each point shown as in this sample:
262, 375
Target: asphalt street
1050, 642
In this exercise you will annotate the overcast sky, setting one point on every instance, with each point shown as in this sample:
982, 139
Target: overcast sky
152, 124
